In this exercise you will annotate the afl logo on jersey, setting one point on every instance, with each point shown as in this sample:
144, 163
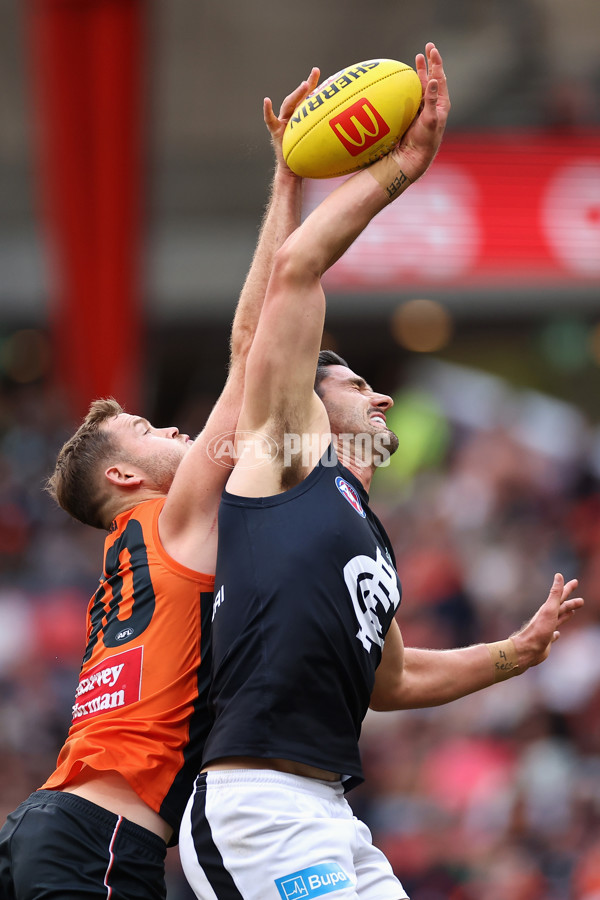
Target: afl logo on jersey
123, 635
351, 495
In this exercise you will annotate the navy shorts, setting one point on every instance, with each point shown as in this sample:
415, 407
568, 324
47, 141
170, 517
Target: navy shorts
58, 846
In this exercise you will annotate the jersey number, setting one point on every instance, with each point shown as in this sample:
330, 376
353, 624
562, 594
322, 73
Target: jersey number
115, 631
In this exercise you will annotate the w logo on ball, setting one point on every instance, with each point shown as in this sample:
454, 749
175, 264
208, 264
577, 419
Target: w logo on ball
359, 126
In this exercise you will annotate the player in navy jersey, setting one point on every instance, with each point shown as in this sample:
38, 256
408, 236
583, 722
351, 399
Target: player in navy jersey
306, 591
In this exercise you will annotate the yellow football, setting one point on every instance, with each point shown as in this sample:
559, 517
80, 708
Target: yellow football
352, 119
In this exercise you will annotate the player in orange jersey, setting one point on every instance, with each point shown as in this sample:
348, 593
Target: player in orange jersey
99, 827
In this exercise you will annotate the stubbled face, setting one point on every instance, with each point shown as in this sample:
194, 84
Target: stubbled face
156, 451
355, 408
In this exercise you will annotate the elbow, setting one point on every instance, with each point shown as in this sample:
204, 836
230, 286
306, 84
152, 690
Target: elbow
387, 700
294, 265
388, 705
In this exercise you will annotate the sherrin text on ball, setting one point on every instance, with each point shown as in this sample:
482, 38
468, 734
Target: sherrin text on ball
352, 119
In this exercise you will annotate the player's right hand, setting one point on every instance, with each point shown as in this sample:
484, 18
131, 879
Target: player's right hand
277, 124
421, 141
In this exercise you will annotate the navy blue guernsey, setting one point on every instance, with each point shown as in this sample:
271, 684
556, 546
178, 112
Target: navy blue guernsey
306, 589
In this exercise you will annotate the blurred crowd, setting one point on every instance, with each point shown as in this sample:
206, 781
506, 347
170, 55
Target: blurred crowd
494, 796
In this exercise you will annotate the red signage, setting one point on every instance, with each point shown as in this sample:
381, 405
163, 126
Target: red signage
111, 684
493, 210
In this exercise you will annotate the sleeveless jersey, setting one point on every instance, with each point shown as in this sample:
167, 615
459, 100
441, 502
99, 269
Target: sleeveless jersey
305, 591
141, 702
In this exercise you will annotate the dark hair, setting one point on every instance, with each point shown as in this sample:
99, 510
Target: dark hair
75, 483
327, 358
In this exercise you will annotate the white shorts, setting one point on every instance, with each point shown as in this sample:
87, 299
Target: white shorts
257, 834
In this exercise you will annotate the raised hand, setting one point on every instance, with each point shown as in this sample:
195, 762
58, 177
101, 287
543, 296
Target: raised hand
276, 124
420, 143
534, 640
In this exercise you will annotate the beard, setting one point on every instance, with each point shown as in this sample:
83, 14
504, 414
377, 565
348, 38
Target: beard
368, 449
161, 469
388, 441
381, 447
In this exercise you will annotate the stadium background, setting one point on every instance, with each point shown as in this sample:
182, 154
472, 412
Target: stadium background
134, 166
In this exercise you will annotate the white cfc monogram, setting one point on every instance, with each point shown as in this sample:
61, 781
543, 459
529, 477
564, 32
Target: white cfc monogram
373, 585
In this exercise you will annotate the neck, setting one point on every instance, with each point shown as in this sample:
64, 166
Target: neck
351, 461
123, 504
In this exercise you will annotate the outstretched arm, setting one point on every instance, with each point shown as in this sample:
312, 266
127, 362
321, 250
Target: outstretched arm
409, 678
282, 362
188, 520
282, 217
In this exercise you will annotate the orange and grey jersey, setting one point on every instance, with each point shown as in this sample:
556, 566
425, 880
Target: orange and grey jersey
141, 702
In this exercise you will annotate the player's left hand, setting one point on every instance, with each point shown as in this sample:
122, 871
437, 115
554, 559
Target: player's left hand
276, 124
534, 640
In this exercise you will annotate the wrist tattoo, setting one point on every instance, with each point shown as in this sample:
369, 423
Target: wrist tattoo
388, 174
504, 659
398, 182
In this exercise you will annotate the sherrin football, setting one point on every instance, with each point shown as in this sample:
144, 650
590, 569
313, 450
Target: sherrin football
352, 119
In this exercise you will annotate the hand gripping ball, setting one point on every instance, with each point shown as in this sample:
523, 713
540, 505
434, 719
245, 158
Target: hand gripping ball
352, 119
